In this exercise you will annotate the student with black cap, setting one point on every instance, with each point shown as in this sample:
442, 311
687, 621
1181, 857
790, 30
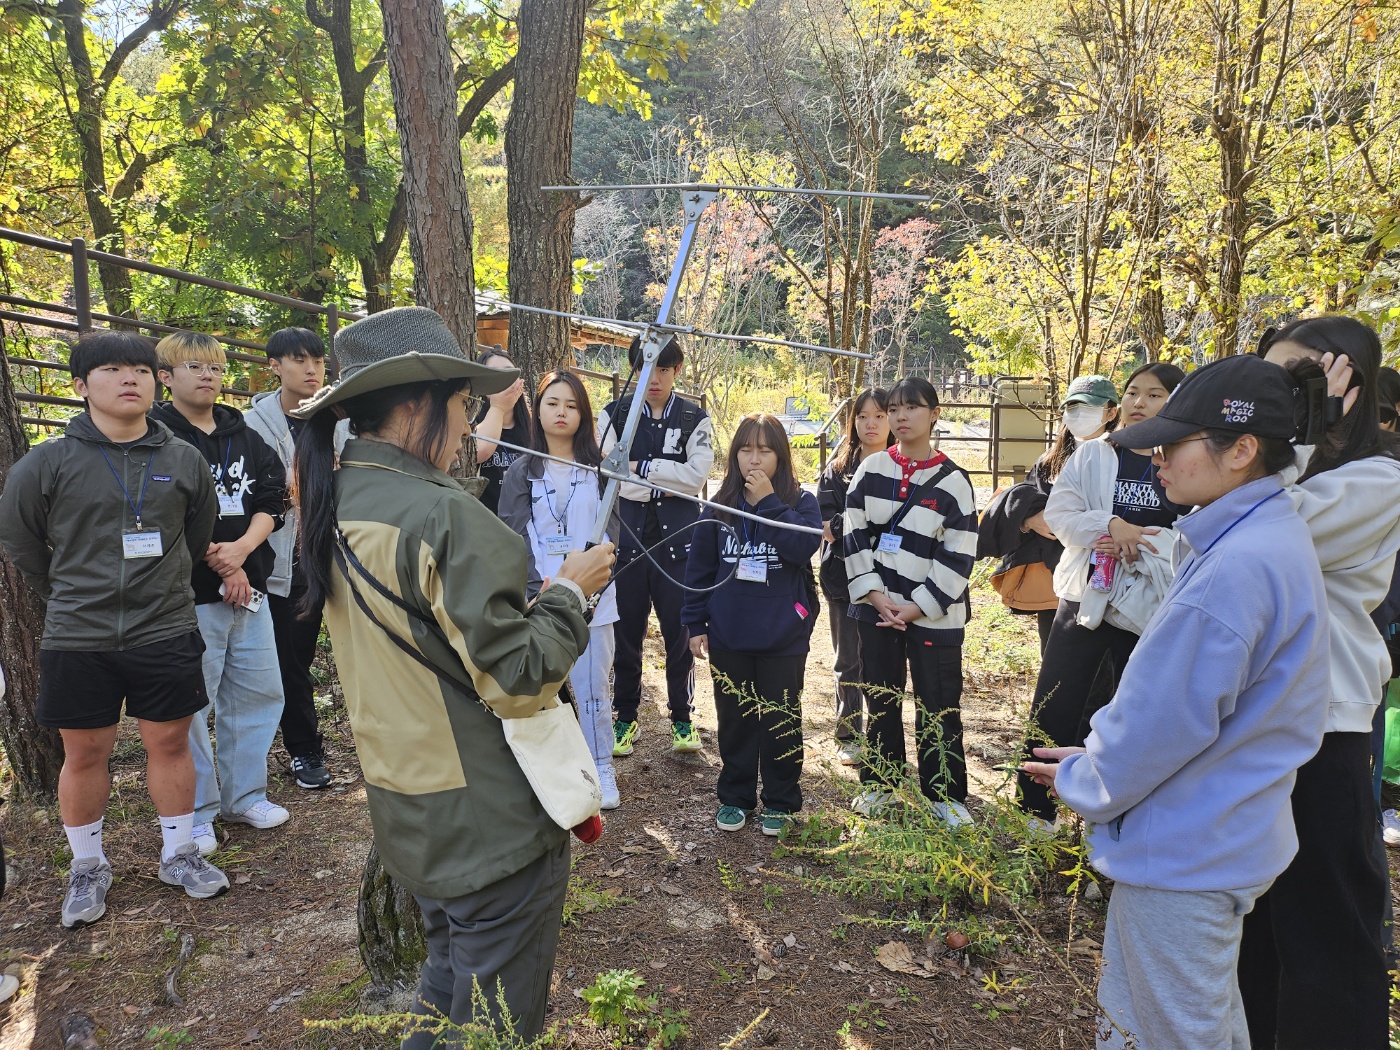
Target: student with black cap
1186, 775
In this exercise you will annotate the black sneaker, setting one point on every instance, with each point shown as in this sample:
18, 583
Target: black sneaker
310, 771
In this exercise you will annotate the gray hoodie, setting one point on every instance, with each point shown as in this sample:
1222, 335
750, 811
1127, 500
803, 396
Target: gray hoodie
265, 415
62, 517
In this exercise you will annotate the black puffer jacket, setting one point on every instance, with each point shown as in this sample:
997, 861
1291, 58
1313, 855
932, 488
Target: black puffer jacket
999, 532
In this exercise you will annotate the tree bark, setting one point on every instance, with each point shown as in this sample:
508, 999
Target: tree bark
439, 214
392, 943
35, 753
539, 151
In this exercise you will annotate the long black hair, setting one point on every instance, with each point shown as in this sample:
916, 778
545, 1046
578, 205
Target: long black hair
313, 486
759, 428
1358, 435
586, 449
848, 455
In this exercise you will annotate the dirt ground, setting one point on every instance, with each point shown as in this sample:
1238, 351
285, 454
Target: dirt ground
708, 919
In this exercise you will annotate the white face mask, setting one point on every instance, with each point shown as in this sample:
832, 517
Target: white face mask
1083, 420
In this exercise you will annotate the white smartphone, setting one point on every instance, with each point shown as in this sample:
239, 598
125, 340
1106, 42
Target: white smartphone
254, 603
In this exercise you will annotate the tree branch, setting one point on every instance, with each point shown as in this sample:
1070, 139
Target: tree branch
487, 90
159, 19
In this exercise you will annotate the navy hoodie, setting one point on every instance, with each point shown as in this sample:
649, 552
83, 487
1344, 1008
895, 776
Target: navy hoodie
242, 465
775, 617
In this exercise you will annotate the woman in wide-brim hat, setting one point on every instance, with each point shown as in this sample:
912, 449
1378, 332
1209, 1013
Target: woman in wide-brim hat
435, 644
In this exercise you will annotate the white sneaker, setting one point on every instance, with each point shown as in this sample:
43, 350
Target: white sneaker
607, 781
9, 984
205, 839
954, 814
871, 803
1390, 827
848, 752
262, 814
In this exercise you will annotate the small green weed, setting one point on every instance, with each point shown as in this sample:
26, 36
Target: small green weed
616, 1005
168, 1038
727, 878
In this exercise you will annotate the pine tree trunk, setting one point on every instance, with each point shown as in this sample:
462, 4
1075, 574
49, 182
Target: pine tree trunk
439, 214
539, 151
392, 944
35, 753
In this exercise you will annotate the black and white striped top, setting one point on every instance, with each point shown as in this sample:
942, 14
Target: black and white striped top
935, 526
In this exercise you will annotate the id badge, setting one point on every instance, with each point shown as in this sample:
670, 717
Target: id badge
558, 544
752, 570
141, 545
889, 543
230, 506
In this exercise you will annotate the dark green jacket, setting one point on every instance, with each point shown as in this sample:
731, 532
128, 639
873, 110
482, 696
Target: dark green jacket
62, 516
451, 810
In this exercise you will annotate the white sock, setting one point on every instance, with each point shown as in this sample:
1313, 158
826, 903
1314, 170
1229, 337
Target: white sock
175, 832
86, 841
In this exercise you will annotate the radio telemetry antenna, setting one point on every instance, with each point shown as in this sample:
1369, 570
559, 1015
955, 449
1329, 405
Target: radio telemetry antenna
696, 198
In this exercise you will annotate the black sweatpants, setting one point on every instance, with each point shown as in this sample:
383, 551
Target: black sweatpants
1312, 967
296, 650
762, 738
845, 641
887, 657
1068, 691
642, 586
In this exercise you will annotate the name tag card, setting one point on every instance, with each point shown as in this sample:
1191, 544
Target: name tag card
141, 545
230, 506
889, 543
558, 544
752, 570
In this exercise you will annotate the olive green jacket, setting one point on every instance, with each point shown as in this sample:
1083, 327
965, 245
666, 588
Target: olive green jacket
451, 810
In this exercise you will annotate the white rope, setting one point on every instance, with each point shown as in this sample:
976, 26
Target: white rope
629, 479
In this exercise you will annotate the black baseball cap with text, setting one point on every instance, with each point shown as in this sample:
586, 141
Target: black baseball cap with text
1243, 395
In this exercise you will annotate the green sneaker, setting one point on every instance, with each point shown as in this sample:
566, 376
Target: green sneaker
730, 818
684, 737
624, 736
775, 823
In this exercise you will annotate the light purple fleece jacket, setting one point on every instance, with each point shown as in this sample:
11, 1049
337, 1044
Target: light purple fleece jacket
1188, 771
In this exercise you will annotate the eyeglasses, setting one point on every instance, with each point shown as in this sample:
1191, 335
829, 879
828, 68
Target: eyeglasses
1165, 450
200, 368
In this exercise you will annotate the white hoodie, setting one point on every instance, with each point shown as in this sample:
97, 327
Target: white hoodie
1353, 514
1078, 512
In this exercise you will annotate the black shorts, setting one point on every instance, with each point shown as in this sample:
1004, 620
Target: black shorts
160, 682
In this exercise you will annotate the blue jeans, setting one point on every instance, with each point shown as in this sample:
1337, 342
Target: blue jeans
245, 691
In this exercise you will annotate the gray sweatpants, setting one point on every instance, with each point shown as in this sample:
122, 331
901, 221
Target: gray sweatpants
507, 930
1168, 980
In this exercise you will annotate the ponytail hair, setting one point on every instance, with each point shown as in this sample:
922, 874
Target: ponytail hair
313, 479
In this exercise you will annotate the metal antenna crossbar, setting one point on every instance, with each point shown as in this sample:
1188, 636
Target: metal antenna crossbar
713, 187
604, 472
683, 329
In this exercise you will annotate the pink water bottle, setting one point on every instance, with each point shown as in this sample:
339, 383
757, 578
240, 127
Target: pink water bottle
1104, 567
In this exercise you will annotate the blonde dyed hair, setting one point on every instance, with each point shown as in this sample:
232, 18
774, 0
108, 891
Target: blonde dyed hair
189, 346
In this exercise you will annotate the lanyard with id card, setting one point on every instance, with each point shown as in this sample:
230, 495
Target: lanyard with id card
561, 542
890, 542
138, 544
229, 506
751, 569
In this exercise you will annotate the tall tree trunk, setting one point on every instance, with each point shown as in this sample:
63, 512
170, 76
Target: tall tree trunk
539, 149
439, 214
392, 942
35, 753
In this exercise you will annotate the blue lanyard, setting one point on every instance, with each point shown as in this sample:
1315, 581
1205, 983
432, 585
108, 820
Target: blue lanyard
560, 519
904, 508
228, 455
1211, 546
746, 524
135, 507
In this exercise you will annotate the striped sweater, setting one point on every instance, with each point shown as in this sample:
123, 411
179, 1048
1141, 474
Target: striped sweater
936, 529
